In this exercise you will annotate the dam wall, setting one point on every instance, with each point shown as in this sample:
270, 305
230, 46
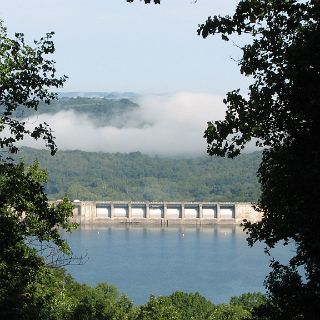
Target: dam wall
164, 213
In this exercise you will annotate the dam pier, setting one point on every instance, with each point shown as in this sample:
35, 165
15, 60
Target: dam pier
163, 213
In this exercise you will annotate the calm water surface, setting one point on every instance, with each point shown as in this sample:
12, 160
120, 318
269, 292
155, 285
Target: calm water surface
142, 260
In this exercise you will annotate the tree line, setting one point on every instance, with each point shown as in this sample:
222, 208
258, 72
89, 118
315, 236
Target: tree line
58, 296
139, 177
101, 111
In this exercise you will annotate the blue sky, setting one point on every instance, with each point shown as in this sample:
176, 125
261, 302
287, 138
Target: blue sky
111, 45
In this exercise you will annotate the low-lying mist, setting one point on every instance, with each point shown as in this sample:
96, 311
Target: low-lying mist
163, 125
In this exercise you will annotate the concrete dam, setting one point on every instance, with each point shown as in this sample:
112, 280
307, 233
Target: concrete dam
164, 213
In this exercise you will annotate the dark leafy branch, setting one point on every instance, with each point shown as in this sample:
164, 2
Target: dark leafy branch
283, 34
26, 78
281, 110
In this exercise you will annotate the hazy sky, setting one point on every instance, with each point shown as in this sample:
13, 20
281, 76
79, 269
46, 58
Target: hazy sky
111, 45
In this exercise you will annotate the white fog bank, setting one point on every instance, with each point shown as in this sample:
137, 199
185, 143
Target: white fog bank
171, 125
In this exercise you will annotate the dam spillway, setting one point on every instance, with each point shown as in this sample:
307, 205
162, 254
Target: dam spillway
164, 213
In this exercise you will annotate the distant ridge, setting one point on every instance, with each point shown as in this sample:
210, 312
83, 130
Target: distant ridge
108, 95
139, 177
101, 110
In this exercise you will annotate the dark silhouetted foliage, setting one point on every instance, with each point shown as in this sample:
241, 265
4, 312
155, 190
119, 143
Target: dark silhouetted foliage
281, 110
27, 222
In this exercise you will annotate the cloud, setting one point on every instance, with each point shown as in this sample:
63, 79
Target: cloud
163, 125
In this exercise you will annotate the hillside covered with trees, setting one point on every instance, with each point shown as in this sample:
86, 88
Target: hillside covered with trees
100, 110
135, 176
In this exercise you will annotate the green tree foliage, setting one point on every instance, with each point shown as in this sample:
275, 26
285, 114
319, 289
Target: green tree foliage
177, 306
159, 309
281, 111
26, 77
57, 296
103, 302
27, 222
101, 111
192, 306
139, 177
249, 301
229, 312
28, 227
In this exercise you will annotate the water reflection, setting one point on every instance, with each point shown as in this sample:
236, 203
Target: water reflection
142, 260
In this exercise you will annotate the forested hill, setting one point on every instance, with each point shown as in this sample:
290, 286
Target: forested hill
101, 111
136, 177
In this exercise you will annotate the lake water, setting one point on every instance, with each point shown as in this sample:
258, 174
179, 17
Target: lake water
142, 260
